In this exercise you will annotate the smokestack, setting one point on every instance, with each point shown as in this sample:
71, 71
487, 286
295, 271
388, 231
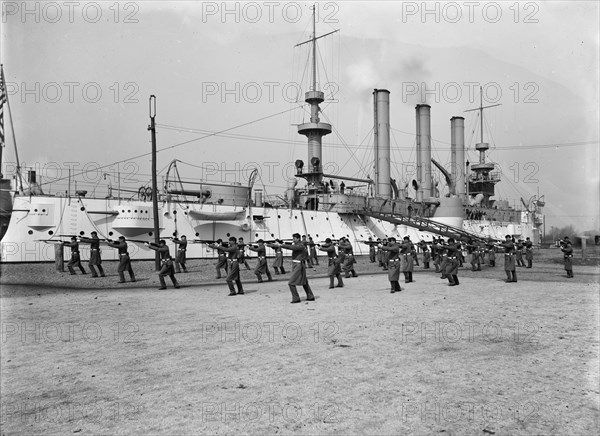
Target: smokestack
457, 155
381, 98
418, 153
424, 141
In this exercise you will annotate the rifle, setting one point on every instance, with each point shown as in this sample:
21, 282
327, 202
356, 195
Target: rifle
51, 241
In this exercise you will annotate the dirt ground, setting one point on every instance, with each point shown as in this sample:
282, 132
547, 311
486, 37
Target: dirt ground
89, 356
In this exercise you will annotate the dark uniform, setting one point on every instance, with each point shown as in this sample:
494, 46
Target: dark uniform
233, 263
473, 251
436, 254
278, 263
221, 259
95, 259
298, 276
452, 262
349, 261
75, 257
242, 254
181, 258
443, 257
166, 263
509, 260
393, 269
384, 255
567, 250
491, 250
334, 267
407, 259
313, 251
372, 254
413, 252
528, 252
261, 266
519, 253
426, 254
124, 261
308, 259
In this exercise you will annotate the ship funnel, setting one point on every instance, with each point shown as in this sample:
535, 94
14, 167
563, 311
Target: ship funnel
423, 115
457, 156
381, 102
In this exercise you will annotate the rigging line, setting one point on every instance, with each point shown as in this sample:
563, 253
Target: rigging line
340, 145
176, 145
365, 171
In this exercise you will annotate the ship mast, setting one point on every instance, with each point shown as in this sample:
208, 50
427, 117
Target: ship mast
315, 129
483, 181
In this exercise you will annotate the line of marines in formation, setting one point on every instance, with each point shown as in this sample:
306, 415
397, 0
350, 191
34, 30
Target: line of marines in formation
392, 255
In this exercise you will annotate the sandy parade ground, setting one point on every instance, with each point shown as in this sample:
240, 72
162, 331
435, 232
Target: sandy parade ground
89, 356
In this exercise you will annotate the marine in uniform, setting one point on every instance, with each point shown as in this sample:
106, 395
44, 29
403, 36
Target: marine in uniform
166, 263
519, 253
567, 250
221, 259
393, 264
372, 252
181, 258
95, 259
436, 254
124, 261
509, 259
298, 275
75, 260
443, 257
313, 251
452, 262
305, 243
334, 268
242, 255
426, 254
385, 255
278, 263
406, 258
349, 260
491, 250
233, 264
261, 266
528, 252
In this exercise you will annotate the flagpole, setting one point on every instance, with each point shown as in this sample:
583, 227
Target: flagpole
12, 129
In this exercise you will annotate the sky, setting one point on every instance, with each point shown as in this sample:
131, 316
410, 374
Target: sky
229, 85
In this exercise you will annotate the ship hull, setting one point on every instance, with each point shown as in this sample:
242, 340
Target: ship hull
37, 223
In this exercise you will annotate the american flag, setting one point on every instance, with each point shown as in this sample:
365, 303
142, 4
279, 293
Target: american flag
2, 101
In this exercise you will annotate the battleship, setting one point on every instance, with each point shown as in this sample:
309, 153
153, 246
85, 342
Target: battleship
314, 203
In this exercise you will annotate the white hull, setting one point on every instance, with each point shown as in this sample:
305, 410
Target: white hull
38, 218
